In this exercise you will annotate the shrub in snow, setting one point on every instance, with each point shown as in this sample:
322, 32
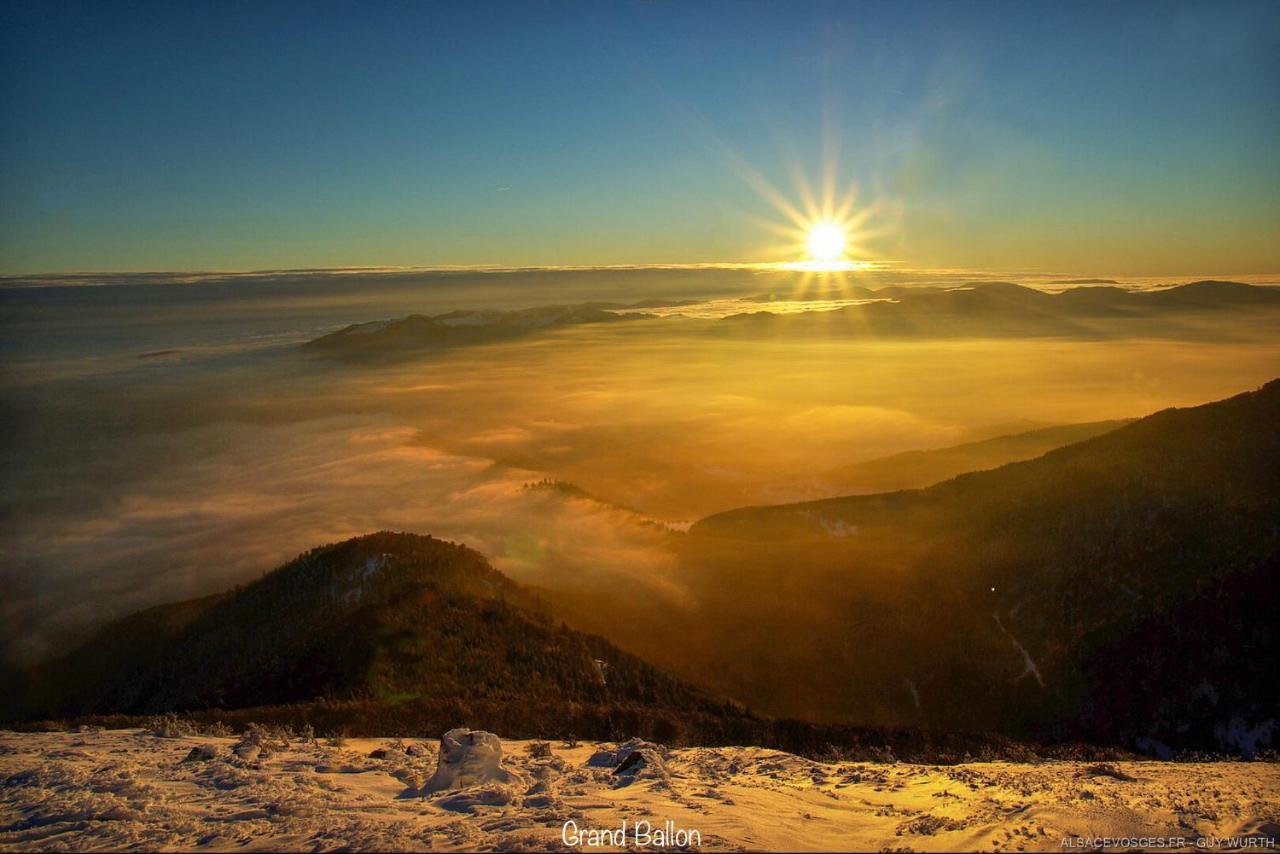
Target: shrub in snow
468, 758
169, 725
258, 743
1238, 735
250, 752
217, 729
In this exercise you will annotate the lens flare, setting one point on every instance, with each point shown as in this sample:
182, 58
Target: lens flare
825, 233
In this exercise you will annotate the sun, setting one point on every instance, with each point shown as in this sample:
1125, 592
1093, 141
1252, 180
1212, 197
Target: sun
826, 241
825, 233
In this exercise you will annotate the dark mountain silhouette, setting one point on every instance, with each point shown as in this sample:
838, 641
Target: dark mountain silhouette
1120, 588
395, 633
385, 617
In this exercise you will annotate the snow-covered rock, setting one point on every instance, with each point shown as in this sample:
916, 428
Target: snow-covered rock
612, 757
469, 757
632, 759
645, 763
202, 753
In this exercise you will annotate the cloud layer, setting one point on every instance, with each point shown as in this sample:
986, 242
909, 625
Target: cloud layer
130, 482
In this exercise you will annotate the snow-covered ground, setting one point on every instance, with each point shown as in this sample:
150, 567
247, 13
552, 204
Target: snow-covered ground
128, 789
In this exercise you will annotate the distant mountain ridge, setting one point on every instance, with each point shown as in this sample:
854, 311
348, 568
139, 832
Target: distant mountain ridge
418, 332
1007, 309
1181, 432
914, 469
980, 309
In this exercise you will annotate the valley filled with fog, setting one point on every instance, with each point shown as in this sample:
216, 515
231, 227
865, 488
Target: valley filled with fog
170, 440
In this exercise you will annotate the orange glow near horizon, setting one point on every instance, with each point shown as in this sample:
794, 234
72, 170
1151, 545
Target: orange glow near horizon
823, 230
824, 235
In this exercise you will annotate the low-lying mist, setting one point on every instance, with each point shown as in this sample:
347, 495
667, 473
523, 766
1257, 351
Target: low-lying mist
133, 481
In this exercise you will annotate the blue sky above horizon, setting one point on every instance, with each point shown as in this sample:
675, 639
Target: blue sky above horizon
1087, 138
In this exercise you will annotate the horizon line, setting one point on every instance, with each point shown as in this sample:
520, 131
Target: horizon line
77, 278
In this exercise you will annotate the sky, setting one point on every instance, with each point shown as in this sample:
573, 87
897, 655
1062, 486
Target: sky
1107, 139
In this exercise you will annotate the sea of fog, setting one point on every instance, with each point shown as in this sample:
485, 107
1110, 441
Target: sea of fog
165, 436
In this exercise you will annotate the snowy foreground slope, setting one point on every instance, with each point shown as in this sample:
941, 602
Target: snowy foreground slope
125, 789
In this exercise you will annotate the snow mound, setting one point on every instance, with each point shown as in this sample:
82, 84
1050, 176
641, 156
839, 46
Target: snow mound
612, 757
632, 760
644, 763
202, 753
469, 758
118, 790
493, 795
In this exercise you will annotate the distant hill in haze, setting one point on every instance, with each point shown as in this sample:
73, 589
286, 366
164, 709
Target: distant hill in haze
1006, 309
913, 469
416, 333
1204, 440
977, 309
1213, 292
1123, 587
